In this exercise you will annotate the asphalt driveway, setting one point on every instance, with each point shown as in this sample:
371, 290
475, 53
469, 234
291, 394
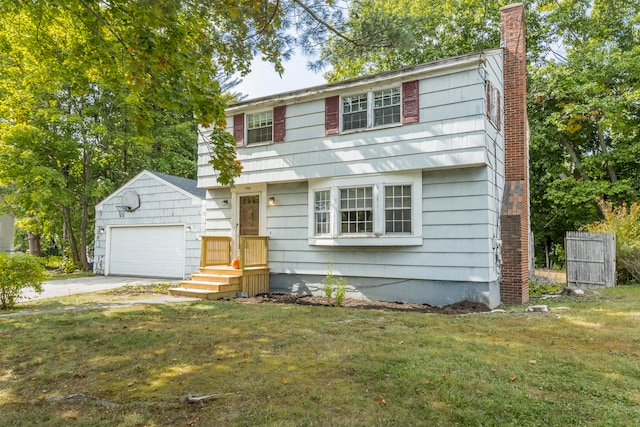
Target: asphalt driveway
59, 288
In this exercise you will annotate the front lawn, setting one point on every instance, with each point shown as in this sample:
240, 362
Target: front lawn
291, 365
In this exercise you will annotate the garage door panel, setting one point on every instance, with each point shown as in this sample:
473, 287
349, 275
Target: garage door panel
155, 251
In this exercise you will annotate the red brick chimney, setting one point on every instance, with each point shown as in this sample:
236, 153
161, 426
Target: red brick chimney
514, 288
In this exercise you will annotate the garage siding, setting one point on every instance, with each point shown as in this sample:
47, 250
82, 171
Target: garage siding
164, 209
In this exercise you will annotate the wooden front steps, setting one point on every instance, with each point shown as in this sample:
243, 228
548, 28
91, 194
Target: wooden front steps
216, 282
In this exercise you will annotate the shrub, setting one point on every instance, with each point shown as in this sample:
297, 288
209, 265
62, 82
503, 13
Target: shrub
337, 284
18, 272
625, 222
540, 285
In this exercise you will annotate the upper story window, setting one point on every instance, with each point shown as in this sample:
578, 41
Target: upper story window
370, 109
354, 111
386, 106
367, 210
376, 108
260, 127
494, 102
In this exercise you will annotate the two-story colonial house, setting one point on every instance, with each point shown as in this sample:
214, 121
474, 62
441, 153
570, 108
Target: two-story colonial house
411, 183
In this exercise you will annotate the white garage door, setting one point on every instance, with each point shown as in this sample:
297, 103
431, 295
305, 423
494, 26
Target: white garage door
155, 251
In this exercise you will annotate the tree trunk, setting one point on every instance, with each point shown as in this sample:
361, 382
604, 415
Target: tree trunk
575, 159
69, 236
34, 244
613, 177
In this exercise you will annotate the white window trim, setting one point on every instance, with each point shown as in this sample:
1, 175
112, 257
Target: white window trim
378, 237
370, 108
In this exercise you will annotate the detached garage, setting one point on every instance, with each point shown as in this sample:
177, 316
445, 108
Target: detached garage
150, 227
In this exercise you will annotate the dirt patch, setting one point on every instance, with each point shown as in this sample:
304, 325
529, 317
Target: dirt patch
463, 307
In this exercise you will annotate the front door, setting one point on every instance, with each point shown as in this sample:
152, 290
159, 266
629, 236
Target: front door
250, 215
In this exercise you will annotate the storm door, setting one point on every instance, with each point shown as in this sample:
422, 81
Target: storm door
250, 215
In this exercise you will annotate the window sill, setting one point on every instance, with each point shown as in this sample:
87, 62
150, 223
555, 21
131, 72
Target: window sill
366, 241
257, 144
351, 131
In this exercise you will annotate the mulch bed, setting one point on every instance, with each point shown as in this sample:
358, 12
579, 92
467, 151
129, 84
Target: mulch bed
463, 307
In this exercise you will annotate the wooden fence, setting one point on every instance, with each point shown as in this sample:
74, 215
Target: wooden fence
590, 259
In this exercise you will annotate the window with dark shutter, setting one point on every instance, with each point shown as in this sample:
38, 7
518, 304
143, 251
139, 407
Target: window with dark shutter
410, 102
494, 107
279, 123
238, 129
331, 115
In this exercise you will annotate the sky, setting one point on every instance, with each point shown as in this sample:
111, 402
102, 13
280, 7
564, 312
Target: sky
264, 81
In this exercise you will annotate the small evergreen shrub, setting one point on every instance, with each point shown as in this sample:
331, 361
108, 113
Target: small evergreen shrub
18, 272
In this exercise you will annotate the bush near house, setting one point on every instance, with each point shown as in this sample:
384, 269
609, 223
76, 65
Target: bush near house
18, 272
625, 222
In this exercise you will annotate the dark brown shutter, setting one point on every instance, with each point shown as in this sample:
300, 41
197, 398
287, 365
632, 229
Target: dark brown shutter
279, 123
410, 102
331, 115
499, 111
238, 129
487, 90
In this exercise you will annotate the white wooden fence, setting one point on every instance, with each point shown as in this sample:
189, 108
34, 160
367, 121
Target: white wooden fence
590, 259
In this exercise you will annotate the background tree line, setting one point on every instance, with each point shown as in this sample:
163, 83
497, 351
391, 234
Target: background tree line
93, 91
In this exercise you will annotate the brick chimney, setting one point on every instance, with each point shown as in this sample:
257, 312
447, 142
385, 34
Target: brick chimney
514, 288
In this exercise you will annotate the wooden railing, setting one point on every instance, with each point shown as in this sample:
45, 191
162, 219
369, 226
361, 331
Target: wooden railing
216, 250
254, 251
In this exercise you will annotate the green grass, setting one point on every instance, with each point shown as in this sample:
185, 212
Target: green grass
288, 365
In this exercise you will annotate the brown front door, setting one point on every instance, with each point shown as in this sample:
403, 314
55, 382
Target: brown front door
250, 215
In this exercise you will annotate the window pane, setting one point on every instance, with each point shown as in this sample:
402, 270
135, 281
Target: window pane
322, 212
354, 112
386, 108
397, 202
356, 211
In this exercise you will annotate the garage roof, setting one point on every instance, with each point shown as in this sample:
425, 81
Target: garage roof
186, 184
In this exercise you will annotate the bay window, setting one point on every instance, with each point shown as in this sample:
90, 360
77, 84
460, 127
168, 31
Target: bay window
366, 210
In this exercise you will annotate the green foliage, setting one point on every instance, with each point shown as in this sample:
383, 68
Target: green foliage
335, 284
540, 285
624, 221
341, 289
18, 272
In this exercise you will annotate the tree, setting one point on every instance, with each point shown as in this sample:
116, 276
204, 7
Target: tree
90, 88
383, 36
584, 110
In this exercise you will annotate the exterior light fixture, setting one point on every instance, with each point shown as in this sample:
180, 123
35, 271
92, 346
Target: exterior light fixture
272, 201
101, 230
225, 202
